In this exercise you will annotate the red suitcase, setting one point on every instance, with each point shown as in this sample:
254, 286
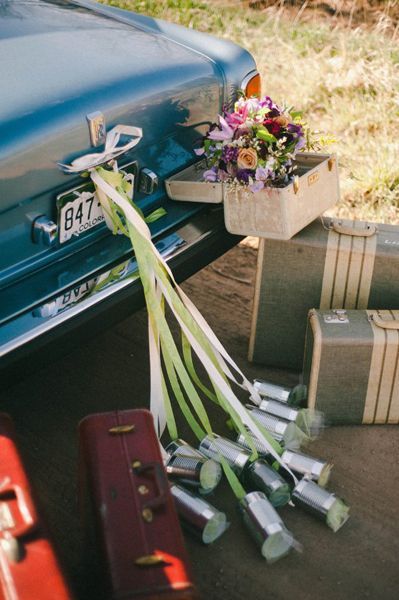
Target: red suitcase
28, 567
123, 481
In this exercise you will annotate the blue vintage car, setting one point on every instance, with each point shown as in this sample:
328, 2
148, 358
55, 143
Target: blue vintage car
69, 71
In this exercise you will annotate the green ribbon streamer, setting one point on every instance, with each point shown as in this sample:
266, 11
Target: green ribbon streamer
155, 215
184, 407
233, 480
145, 261
181, 373
188, 359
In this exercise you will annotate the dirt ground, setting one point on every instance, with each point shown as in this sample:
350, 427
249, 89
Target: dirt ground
360, 561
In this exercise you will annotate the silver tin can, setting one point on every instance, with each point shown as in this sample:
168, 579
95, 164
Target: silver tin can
310, 421
181, 447
325, 505
197, 515
266, 526
279, 409
258, 444
191, 467
295, 396
283, 431
302, 464
236, 456
260, 476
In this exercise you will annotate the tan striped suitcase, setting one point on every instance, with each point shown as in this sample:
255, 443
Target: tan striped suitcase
351, 365
330, 264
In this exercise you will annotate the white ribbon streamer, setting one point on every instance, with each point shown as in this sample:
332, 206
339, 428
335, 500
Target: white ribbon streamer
143, 229
157, 406
219, 351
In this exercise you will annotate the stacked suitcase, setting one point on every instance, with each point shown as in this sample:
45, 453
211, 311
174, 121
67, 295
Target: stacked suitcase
340, 268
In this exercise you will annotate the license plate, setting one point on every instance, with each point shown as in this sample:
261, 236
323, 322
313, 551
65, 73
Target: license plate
126, 269
79, 210
54, 307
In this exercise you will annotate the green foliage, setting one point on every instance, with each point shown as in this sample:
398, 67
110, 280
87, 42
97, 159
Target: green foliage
264, 135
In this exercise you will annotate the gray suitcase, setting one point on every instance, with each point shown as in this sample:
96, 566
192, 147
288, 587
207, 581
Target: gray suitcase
329, 264
351, 365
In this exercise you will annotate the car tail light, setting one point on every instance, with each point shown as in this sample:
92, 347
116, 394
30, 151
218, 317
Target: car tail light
251, 85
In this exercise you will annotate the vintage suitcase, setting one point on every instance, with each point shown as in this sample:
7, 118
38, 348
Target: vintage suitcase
138, 532
351, 365
330, 264
29, 569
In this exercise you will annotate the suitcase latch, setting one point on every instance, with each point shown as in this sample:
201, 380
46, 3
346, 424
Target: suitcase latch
121, 429
11, 547
12, 525
151, 560
10, 529
6, 518
336, 316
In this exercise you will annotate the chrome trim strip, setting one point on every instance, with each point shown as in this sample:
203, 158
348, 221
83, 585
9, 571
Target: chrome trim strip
180, 241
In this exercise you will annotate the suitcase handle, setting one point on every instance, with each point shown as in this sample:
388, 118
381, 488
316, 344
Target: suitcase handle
380, 322
160, 481
346, 230
26, 509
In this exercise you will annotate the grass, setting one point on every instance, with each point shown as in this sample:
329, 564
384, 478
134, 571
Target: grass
341, 69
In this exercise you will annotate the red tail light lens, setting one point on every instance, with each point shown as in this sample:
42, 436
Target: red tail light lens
251, 85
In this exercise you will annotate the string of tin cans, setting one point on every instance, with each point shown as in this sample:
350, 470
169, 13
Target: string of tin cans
194, 473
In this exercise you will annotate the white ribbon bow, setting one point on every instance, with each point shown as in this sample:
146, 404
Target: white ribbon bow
111, 149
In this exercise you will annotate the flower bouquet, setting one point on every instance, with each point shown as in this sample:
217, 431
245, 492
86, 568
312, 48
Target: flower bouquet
271, 188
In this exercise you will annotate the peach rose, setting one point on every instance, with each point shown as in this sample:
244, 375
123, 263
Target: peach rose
247, 158
281, 120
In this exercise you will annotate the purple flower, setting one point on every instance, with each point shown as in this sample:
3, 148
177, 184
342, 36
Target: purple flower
229, 153
210, 175
296, 129
297, 132
243, 175
257, 186
274, 112
223, 175
225, 133
266, 101
300, 144
262, 173
199, 151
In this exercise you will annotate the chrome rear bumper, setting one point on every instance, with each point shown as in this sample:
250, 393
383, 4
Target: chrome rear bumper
189, 248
